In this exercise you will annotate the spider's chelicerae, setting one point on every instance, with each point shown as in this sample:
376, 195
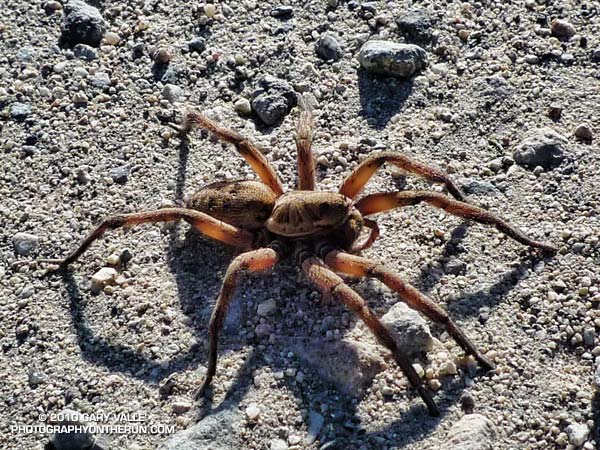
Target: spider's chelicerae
321, 230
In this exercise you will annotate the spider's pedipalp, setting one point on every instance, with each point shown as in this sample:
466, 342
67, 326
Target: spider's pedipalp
204, 223
331, 285
254, 261
245, 147
373, 204
363, 267
369, 240
356, 181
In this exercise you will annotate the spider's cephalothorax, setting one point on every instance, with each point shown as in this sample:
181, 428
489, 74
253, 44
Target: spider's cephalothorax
321, 229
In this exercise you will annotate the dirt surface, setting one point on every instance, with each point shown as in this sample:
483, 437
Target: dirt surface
77, 148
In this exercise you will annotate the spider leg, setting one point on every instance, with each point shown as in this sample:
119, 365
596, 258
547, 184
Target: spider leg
247, 149
372, 204
365, 170
363, 267
331, 284
371, 238
304, 136
254, 261
204, 223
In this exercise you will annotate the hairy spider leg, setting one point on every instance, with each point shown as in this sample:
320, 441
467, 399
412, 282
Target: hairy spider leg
363, 267
373, 204
330, 284
365, 170
254, 261
245, 147
204, 223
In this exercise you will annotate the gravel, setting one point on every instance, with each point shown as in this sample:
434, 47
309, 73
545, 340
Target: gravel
139, 344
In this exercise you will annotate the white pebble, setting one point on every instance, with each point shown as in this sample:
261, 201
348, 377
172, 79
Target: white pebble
253, 411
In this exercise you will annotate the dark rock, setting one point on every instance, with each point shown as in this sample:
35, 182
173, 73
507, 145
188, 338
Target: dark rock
83, 24
484, 314
415, 26
273, 100
138, 50
282, 11
85, 52
219, 431
120, 175
328, 48
543, 147
477, 187
467, 403
20, 111
72, 441
198, 44
370, 7
392, 59
455, 267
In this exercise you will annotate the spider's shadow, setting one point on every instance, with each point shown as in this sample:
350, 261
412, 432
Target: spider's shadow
381, 98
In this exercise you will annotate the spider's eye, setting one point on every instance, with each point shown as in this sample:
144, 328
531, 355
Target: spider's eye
325, 208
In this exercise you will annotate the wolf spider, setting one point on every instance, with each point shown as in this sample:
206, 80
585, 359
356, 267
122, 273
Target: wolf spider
321, 230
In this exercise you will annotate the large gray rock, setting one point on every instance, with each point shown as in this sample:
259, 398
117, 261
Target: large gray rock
542, 147
472, 432
347, 364
83, 24
410, 330
392, 59
219, 431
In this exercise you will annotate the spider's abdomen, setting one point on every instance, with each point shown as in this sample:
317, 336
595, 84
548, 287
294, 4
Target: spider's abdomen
244, 204
306, 213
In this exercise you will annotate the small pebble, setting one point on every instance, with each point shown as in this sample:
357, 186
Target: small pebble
252, 411
562, 29
112, 38
25, 243
102, 278
267, 307
278, 444
181, 406
210, 10
583, 133
577, 433
243, 106
172, 92
162, 55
